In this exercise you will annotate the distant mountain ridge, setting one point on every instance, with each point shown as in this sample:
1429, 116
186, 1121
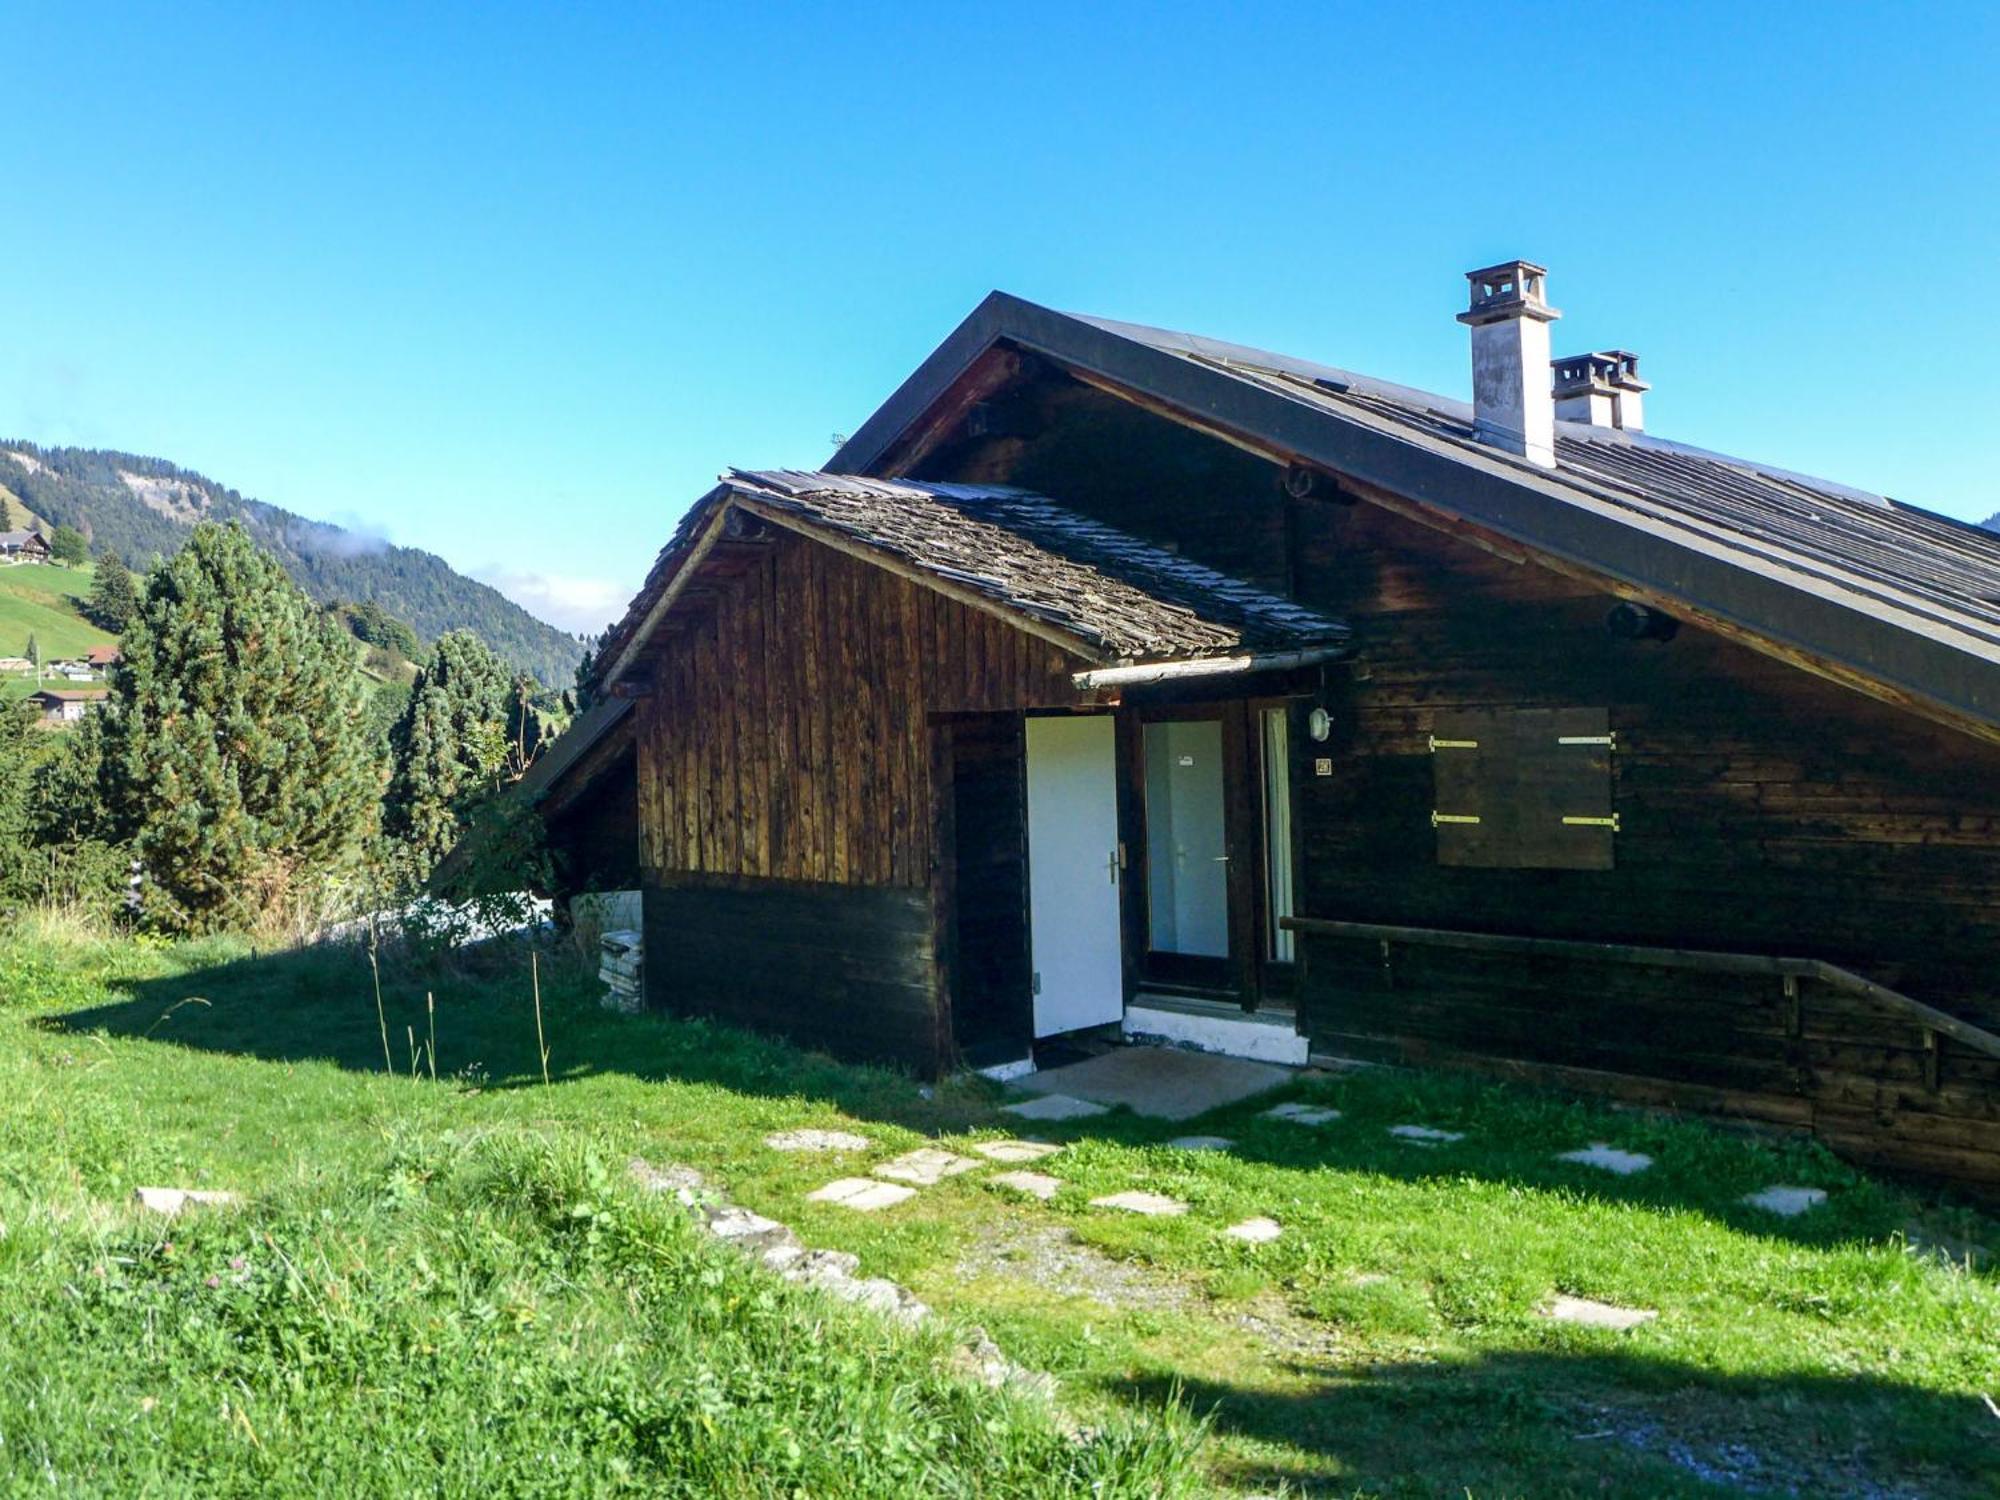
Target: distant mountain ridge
145, 507
1991, 523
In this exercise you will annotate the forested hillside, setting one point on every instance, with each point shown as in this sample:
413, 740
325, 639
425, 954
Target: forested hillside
143, 508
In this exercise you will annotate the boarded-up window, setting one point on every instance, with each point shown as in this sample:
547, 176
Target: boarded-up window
1524, 788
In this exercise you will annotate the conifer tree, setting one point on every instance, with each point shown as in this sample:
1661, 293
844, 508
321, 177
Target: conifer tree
449, 748
113, 597
235, 739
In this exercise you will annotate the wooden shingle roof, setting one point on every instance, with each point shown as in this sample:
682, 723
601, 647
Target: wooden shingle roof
1111, 597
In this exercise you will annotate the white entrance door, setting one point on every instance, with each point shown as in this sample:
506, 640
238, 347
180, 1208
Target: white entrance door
1073, 917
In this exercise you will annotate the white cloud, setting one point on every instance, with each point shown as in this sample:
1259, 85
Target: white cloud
584, 605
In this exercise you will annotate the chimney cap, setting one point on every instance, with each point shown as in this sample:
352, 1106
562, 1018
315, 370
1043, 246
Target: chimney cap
1594, 374
1511, 289
1625, 374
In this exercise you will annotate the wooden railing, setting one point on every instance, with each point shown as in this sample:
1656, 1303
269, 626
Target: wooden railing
1790, 970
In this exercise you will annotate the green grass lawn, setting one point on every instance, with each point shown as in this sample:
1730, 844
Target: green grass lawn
450, 1286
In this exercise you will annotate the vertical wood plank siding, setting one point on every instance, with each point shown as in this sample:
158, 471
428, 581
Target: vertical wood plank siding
787, 734
786, 821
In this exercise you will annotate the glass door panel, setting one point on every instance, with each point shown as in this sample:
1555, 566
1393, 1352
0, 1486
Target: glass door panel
1187, 849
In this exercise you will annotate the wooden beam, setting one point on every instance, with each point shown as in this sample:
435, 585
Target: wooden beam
710, 534
1705, 961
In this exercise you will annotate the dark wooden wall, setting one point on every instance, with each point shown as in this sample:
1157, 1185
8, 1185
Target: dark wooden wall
787, 734
850, 969
1762, 810
787, 823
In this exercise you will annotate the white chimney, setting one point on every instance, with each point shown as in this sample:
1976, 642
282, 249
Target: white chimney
1602, 389
1509, 317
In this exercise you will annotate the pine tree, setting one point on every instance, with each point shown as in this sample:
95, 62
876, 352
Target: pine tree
114, 596
449, 750
69, 546
234, 739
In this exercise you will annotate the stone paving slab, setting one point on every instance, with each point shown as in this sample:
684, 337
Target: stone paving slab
1425, 1135
1609, 1158
926, 1166
1014, 1152
1162, 1083
817, 1140
1055, 1107
1034, 1184
1590, 1314
1153, 1205
170, 1201
1302, 1114
1201, 1142
1257, 1231
862, 1194
1787, 1202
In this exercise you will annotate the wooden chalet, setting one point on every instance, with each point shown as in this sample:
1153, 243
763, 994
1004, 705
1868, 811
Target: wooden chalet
1111, 676
23, 546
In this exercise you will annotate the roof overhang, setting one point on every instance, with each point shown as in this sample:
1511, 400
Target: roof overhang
1896, 654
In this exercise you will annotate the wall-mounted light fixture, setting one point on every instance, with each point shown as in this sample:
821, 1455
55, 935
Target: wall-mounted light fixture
1319, 724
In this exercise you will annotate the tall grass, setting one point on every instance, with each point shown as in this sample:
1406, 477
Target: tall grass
490, 1313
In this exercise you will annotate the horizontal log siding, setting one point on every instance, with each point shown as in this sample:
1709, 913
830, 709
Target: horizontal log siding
787, 734
1762, 810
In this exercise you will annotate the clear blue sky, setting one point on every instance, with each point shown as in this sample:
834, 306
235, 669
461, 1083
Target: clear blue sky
513, 282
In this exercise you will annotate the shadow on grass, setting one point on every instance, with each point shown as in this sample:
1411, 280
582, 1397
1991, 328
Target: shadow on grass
1564, 1422
318, 1005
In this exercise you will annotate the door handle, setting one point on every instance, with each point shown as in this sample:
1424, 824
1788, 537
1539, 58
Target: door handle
1221, 859
1111, 865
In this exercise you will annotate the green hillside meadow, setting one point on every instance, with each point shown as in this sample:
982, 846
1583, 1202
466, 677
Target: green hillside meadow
45, 602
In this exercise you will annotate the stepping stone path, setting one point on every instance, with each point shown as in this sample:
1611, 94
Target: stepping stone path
862, 1194
1596, 1314
1153, 1205
1258, 1231
170, 1201
1302, 1114
926, 1166
1201, 1142
1015, 1152
777, 1249
1054, 1107
1787, 1202
1609, 1158
1034, 1184
817, 1140
1425, 1135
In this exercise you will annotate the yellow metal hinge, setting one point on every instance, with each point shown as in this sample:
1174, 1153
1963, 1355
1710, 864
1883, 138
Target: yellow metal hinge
1438, 818
1438, 744
1610, 740
1610, 822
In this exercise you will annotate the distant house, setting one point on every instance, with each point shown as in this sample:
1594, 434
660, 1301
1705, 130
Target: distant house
66, 705
102, 657
23, 546
16, 664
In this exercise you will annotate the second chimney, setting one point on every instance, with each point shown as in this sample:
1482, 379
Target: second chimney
1602, 389
1509, 317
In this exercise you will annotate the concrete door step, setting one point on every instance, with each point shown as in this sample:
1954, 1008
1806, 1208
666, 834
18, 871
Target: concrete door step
1224, 1029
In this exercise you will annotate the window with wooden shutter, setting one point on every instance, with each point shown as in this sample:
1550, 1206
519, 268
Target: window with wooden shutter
1524, 788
